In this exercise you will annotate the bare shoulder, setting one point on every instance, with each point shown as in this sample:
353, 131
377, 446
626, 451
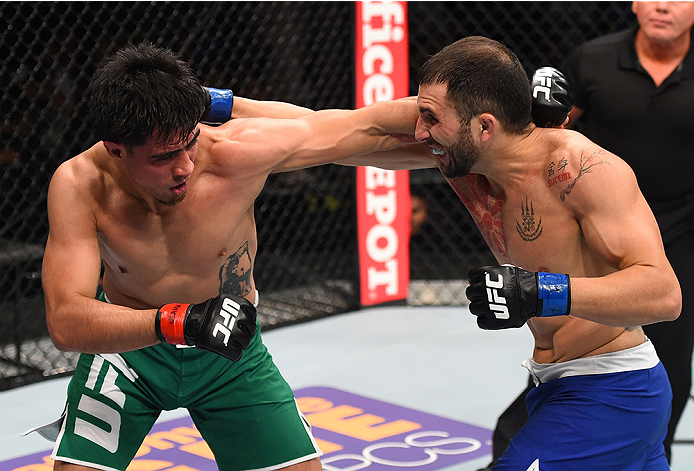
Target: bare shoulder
578, 145
581, 171
84, 172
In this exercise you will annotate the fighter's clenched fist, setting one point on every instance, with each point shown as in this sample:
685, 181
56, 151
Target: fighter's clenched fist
507, 296
224, 325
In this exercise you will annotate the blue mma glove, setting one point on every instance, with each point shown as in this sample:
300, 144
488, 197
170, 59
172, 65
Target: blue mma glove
219, 105
507, 296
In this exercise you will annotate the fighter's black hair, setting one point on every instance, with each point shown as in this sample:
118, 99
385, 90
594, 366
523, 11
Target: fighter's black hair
483, 76
144, 91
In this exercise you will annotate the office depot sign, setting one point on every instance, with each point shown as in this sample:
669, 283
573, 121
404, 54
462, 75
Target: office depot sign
383, 196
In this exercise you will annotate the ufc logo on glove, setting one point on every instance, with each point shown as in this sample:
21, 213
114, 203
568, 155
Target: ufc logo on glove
229, 312
200, 325
544, 82
497, 303
507, 296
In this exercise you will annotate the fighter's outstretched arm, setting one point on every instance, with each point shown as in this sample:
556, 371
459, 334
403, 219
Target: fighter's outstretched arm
409, 154
248, 108
326, 136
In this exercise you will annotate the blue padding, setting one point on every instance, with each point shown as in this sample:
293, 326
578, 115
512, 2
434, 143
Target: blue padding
554, 292
220, 107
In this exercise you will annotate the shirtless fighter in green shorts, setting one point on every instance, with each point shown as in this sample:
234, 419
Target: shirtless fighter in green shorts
166, 205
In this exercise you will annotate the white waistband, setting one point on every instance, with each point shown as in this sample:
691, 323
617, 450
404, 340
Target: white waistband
641, 357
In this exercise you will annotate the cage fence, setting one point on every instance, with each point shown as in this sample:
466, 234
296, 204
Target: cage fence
300, 52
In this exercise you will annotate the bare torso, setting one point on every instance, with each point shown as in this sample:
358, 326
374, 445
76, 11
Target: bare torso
529, 224
204, 245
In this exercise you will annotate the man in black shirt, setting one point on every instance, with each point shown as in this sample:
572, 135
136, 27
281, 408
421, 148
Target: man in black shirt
634, 92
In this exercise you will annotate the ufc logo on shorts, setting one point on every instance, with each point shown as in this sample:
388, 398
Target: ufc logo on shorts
229, 312
497, 303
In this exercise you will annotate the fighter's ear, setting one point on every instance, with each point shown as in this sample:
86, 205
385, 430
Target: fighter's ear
488, 125
114, 149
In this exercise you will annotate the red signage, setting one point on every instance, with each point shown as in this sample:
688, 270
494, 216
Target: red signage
383, 196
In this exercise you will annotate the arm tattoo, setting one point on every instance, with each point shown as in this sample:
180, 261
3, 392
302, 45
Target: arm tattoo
235, 273
586, 164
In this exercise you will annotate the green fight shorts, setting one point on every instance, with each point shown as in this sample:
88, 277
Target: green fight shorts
245, 410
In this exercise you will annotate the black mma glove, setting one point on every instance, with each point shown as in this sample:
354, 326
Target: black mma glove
224, 325
218, 107
552, 98
507, 296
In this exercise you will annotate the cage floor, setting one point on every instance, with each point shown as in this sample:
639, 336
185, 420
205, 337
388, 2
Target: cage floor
392, 387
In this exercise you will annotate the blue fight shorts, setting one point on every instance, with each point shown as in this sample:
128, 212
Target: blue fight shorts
606, 412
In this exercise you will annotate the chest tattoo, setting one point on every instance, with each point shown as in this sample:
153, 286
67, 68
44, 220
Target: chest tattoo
528, 230
585, 165
473, 191
235, 273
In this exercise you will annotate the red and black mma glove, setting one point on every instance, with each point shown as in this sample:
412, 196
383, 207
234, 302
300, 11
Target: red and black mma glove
219, 103
506, 297
552, 97
224, 325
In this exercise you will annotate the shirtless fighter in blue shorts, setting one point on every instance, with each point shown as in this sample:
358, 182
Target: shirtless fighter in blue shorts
594, 268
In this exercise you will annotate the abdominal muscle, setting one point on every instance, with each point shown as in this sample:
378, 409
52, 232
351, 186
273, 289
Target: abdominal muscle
142, 295
567, 338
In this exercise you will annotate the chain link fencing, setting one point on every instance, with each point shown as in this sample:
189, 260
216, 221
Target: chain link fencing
301, 52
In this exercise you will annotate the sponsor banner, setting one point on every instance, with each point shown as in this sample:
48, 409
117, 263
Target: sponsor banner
383, 209
354, 432
383, 230
382, 57
358, 433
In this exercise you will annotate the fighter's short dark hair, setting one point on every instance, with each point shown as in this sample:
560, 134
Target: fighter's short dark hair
483, 76
144, 91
